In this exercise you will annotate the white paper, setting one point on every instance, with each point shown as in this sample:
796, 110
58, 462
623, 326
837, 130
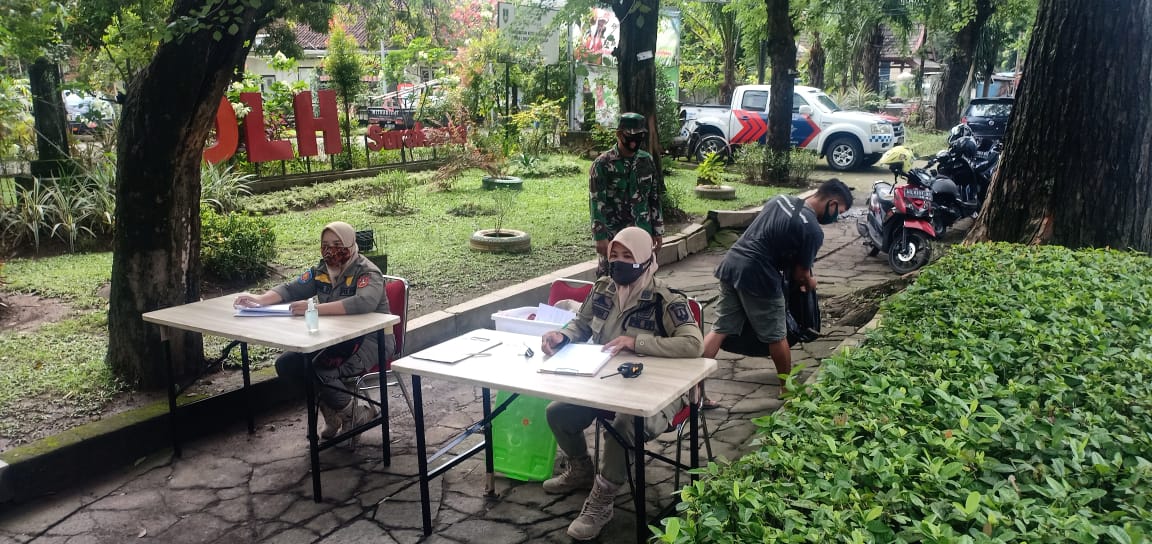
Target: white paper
577, 359
264, 311
552, 314
458, 349
644, 55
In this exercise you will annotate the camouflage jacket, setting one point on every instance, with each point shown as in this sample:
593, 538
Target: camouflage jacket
623, 193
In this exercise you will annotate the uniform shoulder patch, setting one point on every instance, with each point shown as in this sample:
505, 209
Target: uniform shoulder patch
306, 276
363, 281
680, 313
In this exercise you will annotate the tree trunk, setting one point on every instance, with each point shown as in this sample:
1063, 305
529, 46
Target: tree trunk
782, 49
816, 61
169, 110
50, 119
959, 61
636, 71
728, 85
871, 58
1090, 186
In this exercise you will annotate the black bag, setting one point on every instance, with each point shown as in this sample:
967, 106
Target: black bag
803, 322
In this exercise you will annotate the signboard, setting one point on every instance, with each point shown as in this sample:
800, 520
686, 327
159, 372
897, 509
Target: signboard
529, 26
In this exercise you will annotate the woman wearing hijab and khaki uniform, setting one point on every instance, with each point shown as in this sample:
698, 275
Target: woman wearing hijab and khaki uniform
344, 282
627, 310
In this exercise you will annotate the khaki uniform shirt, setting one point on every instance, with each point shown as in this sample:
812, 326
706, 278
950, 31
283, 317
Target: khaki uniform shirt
659, 320
360, 288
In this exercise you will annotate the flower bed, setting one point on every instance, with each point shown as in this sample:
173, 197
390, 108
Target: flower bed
1004, 398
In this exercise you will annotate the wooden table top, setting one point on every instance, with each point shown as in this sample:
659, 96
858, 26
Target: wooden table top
216, 317
506, 369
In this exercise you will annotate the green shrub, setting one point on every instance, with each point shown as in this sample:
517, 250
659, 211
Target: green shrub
710, 170
235, 246
223, 187
65, 209
1002, 399
392, 194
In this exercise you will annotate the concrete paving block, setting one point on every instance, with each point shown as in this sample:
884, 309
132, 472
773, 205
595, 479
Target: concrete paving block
479, 530
193, 529
733, 219
294, 535
324, 523
359, 532
758, 406
209, 471
696, 242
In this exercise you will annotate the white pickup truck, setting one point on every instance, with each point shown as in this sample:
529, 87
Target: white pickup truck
849, 139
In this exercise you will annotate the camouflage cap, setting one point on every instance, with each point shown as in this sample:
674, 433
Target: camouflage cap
633, 122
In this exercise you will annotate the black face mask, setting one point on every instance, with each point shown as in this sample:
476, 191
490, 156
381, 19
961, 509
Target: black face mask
626, 273
830, 215
633, 142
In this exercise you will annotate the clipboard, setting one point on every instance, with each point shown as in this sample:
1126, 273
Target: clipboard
577, 360
458, 349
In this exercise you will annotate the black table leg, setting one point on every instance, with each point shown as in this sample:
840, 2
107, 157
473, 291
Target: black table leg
313, 438
489, 464
386, 446
172, 418
421, 454
639, 494
247, 390
694, 438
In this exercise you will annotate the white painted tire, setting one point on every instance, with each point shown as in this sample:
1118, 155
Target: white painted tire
506, 241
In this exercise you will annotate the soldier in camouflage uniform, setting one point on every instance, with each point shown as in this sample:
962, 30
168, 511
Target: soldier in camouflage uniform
629, 310
622, 188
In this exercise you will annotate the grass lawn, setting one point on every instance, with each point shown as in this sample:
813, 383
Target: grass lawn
429, 247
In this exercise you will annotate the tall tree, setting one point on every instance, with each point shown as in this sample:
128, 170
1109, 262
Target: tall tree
33, 38
166, 120
959, 61
636, 66
345, 73
816, 60
782, 51
1072, 174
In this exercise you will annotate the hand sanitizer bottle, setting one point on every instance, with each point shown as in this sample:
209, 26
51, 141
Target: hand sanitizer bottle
312, 317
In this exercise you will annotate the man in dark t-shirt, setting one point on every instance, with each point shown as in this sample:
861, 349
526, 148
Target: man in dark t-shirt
783, 239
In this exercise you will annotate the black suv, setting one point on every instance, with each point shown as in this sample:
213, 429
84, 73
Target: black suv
988, 119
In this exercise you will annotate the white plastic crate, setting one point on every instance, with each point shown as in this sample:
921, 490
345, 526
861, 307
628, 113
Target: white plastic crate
516, 320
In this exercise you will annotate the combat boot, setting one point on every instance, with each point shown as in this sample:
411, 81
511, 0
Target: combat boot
597, 512
331, 421
579, 475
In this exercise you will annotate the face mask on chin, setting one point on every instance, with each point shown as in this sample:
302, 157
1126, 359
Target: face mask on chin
627, 273
830, 215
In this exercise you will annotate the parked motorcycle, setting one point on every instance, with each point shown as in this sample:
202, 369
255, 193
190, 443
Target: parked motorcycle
899, 219
969, 169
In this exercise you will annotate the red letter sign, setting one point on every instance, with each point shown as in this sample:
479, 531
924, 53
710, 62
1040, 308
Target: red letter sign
307, 124
260, 149
227, 134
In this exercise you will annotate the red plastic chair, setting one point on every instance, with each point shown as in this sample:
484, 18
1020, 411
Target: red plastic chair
568, 288
396, 289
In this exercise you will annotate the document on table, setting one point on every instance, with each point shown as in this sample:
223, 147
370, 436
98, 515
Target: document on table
552, 314
458, 349
264, 311
577, 360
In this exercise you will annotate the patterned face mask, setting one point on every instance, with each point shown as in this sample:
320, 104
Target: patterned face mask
335, 256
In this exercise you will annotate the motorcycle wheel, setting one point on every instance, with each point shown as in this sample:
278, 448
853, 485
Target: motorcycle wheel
910, 252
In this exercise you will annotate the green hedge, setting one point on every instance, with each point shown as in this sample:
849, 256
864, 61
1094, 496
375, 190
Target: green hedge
1004, 398
234, 246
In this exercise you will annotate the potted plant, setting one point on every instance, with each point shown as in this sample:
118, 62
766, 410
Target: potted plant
708, 178
489, 153
500, 239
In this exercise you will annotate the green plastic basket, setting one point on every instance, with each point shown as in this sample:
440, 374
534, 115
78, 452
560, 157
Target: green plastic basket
523, 446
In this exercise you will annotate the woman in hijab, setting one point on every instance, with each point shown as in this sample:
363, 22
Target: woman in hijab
627, 310
343, 282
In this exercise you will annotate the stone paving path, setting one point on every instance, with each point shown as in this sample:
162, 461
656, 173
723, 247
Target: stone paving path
235, 487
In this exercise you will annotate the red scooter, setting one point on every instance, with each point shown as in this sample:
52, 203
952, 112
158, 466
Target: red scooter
899, 218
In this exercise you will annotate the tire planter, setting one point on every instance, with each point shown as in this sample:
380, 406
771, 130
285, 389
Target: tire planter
716, 192
504, 241
506, 182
